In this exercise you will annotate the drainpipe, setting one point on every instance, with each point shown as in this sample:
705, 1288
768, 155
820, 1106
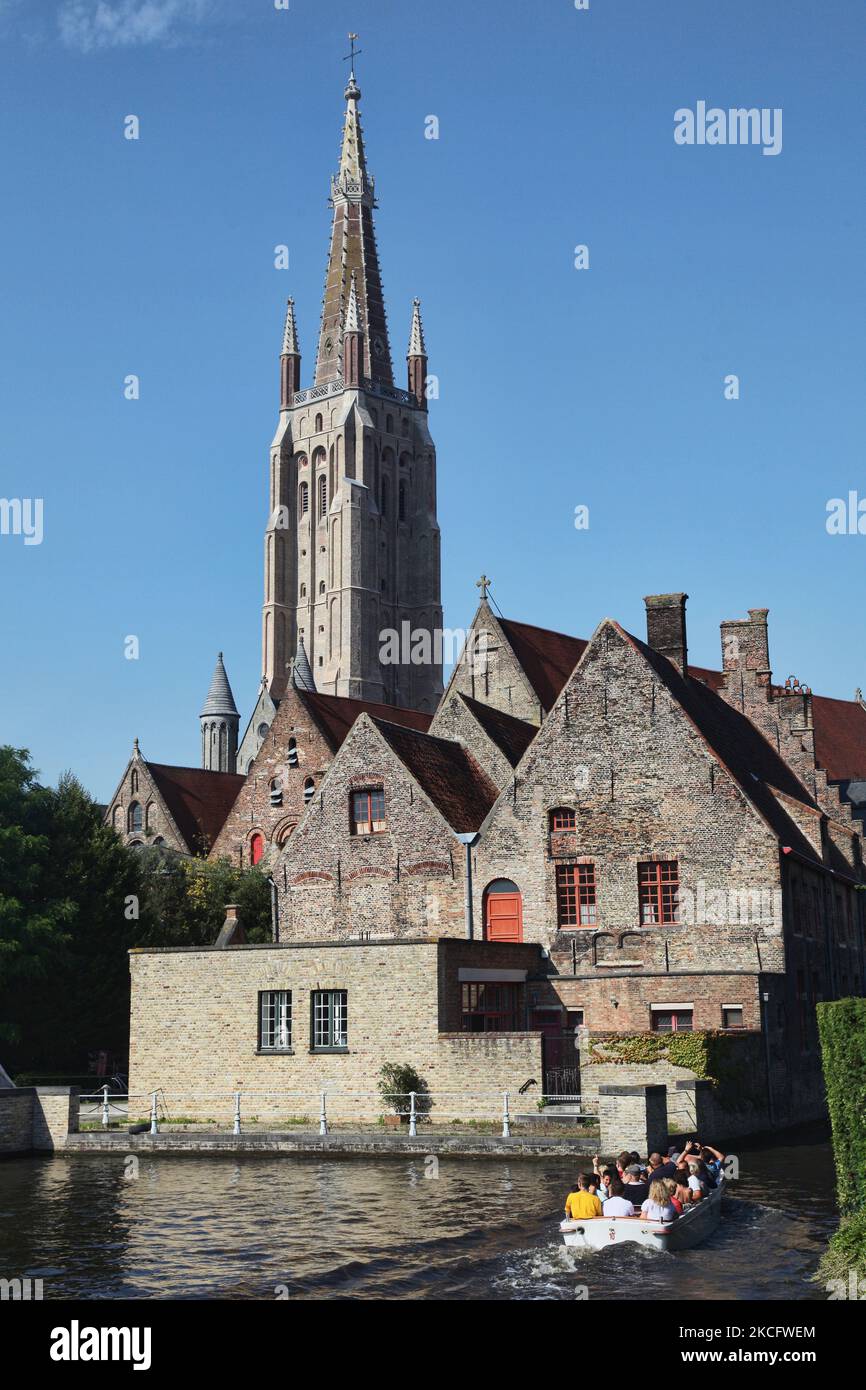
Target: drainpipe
765, 1020
469, 839
275, 910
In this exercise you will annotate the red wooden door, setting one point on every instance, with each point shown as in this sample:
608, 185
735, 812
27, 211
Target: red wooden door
504, 914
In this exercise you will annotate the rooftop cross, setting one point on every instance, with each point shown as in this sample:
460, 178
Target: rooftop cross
483, 584
350, 57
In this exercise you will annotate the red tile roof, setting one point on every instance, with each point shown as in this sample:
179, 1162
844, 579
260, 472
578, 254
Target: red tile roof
199, 801
335, 714
449, 775
512, 736
548, 658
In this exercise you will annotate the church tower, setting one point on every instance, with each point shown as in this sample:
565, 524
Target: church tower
352, 542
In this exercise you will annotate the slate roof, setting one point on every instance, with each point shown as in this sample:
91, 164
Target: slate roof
199, 801
449, 775
512, 736
220, 699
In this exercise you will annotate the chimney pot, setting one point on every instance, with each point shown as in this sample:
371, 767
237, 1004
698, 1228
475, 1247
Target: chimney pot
666, 627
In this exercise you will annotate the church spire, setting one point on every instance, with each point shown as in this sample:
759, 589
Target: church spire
219, 723
302, 675
353, 251
290, 359
416, 357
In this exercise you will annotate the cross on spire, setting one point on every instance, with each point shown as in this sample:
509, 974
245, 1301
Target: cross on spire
350, 57
483, 584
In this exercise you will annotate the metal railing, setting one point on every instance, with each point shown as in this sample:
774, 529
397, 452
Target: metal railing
415, 1106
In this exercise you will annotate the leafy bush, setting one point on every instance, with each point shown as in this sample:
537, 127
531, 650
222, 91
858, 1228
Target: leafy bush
396, 1080
842, 1030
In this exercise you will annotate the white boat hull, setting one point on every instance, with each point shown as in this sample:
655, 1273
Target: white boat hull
695, 1224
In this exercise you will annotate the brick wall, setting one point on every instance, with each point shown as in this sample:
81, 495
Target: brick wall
407, 881
194, 1032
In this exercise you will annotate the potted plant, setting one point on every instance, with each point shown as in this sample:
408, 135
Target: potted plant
396, 1082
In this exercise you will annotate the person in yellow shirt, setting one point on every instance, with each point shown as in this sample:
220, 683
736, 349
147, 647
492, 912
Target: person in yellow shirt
582, 1203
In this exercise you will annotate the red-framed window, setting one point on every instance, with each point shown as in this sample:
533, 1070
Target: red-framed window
489, 1008
658, 892
575, 895
257, 848
563, 818
368, 811
672, 1020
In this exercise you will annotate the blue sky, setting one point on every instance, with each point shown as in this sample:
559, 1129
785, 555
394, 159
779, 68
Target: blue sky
559, 387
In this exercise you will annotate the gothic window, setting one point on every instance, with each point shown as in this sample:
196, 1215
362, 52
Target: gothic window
389, 424
292, 754
150, 818
135, 818
303, 499
368, 811
384, 497
319, 424
402, 502
309, 788
323, 496
658, 892
257, 848
133, 781
321, 586
303, 591
276, 792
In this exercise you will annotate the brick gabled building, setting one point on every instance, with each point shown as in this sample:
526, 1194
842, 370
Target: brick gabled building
307, 731
183, 808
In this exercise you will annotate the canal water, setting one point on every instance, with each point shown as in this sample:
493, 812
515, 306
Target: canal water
262, 1227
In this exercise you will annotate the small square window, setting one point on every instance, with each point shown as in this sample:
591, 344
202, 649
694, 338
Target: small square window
368, 811
732, 1016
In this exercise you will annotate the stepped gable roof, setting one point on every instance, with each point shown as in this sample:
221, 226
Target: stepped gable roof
335, 714
449, 775
751, 760
548, 658
199, 801
512, 736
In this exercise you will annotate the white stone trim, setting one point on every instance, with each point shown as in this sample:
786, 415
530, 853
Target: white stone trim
670, 1008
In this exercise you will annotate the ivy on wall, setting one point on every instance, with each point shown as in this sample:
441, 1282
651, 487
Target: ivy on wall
842, 1030
730, 1063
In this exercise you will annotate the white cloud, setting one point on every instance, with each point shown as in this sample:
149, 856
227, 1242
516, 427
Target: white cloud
89, 25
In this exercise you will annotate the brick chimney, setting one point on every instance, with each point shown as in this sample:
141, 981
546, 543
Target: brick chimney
666, 628
232, 930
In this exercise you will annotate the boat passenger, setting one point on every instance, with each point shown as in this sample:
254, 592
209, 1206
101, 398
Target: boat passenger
617, 1204
661, 1168
583, 1202
635, 1188
685, 1194
657, 1207
714, 1160
696, 1180
675, 1201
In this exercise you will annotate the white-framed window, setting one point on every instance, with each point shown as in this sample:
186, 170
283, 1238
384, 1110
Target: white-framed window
330, 1008
732, 1016
275, 1020
672, 1018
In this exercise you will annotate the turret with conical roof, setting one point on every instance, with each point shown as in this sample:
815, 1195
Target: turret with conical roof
416, 356
219, 724
290, 359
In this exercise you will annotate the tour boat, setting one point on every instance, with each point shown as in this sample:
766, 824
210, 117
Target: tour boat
696, 1223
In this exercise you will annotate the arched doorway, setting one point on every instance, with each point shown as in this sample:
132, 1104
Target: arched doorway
503, 911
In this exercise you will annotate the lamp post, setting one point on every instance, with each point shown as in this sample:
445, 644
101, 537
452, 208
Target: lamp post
469, 838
